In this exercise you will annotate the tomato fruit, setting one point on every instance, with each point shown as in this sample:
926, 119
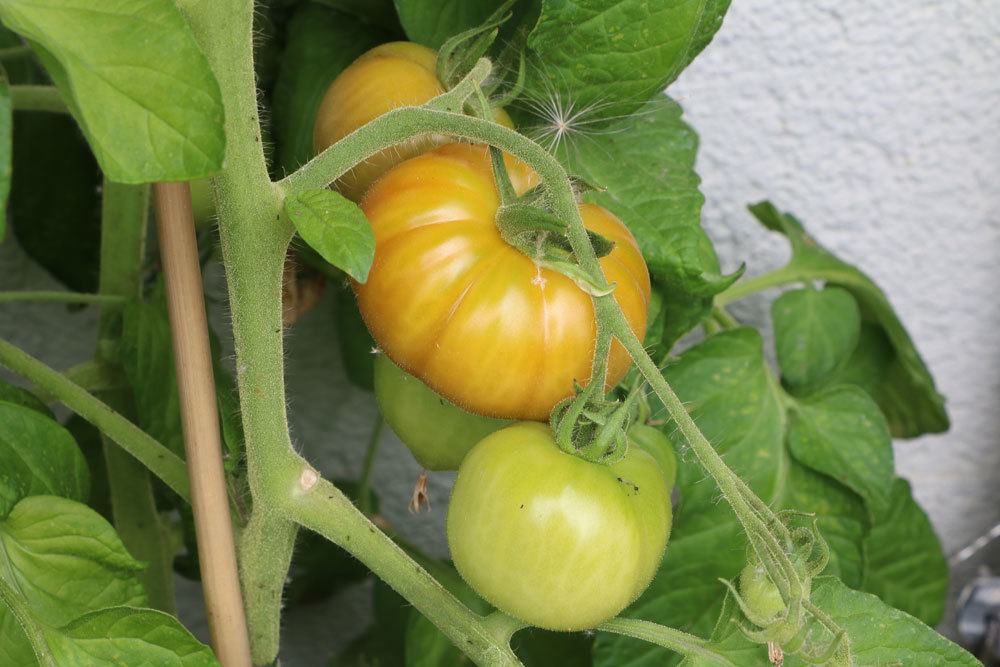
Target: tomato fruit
658, 446
552, 539
384, 78
477, 321
438, 433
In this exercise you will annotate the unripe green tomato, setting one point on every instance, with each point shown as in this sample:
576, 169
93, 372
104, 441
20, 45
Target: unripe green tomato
384, 78
760, 594
658, 445
550, 538
438, 433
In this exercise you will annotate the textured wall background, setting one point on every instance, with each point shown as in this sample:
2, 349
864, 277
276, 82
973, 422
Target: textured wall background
877, 123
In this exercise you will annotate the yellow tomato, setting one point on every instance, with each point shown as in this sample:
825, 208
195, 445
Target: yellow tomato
480, 323
387, 77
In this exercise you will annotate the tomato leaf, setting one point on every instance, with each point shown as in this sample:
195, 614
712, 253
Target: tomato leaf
906, 567
37, 456
431, 22
127, 636
841, 432
606, 58
65, 559
815, 332
334, 227
321, 43
147, 357
101, 62
882, 635
646, 163
904, 389
23, 397
380, 13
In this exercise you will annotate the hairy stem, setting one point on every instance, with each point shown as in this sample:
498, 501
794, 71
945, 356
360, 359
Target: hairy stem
154, 456
669, 638
123, 244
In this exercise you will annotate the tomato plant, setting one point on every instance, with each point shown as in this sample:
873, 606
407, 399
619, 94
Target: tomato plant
439, 434
484, 274
453, 303
552, 539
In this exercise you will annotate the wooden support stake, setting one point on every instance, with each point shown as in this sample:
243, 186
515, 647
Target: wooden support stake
200, 419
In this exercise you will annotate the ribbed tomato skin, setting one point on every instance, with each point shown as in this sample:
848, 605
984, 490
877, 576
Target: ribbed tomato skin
476, 320
389, 76
552, 539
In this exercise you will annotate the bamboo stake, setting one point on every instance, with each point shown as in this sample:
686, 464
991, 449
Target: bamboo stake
200, 419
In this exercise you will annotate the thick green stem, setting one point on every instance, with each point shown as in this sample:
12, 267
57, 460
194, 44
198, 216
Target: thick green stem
324, 509
254, 242
158, 459
123, 244
61, 297
669, 638
37, 98
12, 599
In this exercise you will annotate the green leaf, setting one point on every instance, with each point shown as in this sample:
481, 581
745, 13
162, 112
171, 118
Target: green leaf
905, 389
841, 433
37, 457
431, 22
736, 401
321, 43
127, 636
65, 559
146, 353
336, 228
55, 201
646, 162
906, 566
135, 80
881, 635
608, 57
357, 347
23, 397
6, 147
815, 332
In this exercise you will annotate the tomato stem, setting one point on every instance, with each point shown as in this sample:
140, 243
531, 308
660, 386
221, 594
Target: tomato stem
669, 638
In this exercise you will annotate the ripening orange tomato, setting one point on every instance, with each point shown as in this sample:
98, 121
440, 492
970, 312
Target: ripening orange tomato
452, 303
387, 77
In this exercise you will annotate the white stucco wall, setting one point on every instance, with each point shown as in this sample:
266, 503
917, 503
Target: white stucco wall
877, 123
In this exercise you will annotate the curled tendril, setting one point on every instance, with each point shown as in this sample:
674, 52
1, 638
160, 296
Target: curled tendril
800, 628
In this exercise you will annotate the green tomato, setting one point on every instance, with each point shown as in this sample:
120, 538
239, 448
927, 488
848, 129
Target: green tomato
760, 594
438, 433
552, 539
653, 441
